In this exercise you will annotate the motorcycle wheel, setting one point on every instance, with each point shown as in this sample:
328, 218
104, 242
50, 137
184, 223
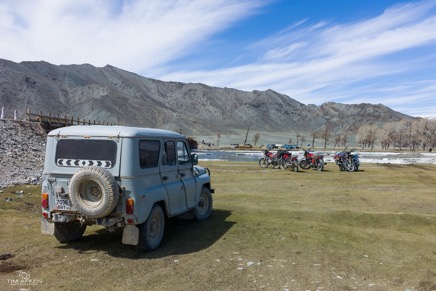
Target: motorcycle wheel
320, 166
263, 163
295, 166
287, 164
349, 166
304, 165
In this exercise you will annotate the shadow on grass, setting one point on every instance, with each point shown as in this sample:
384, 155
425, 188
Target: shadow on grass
180, 237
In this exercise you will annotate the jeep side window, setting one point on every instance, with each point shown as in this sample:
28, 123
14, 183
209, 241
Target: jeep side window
170, 153
149, 153
182, 153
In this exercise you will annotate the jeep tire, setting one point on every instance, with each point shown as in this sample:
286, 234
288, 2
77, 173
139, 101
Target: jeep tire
204, 206
152, 230
69, 231
94, 192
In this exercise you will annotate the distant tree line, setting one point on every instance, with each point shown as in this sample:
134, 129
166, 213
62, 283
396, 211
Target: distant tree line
403, 134
418, 134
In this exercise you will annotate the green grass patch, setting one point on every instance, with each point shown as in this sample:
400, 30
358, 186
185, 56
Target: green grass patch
270, 229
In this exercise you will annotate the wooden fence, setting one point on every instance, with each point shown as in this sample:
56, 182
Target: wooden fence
50, 122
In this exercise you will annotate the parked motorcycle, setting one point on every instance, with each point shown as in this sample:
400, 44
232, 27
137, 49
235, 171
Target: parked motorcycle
291, 162
282, 159
267, 159
347, 160
279, 159
313, 160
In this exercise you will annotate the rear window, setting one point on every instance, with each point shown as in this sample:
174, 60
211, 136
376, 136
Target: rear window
81, 152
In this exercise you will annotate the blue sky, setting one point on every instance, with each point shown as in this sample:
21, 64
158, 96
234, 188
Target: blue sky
314, 51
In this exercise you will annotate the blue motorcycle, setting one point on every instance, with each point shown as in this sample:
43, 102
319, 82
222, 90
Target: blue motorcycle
347, 160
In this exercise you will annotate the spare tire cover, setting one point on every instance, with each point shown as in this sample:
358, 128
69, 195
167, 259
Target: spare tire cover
94, 192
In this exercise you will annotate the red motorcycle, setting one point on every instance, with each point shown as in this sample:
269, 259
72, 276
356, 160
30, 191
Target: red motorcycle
283, 160
267, 159
312, 160
291, 162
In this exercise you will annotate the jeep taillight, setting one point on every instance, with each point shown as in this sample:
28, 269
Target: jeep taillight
44, 200
130, 203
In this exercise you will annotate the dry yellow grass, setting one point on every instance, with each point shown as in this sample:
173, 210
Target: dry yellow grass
271, 229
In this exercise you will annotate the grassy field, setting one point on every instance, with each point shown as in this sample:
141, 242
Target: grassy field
271, 229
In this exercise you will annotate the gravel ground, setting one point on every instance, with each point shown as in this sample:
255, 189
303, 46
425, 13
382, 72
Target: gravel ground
22, 150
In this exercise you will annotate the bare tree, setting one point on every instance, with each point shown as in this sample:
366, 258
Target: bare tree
298, 137
344, 139
337, 140
315, 135
303, 139
246, 136
325, 134
218, 138
366, 135
387, 134
256, 138
429, 134
413, 134
419, 134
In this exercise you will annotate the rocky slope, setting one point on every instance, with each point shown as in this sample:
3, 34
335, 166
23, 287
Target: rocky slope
113, 95
22, 150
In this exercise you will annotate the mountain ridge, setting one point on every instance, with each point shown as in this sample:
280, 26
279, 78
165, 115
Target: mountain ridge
117, 96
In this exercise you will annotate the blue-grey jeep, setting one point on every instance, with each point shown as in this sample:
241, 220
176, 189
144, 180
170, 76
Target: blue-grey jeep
120, 177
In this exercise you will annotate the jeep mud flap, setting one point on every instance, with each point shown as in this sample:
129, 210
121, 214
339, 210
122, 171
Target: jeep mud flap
130, 234
47, 227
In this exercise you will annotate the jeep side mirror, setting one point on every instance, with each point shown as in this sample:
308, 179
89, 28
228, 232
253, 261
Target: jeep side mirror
194, 159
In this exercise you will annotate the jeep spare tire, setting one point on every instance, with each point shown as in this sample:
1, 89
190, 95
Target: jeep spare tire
94, 192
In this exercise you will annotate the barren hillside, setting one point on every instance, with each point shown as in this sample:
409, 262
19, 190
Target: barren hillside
113, 95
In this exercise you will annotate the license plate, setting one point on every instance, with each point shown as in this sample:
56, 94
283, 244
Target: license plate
62, 204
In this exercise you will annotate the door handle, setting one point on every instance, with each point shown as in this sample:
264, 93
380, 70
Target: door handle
182, 175
165, 178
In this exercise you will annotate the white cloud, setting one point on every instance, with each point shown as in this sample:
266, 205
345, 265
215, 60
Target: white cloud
366, 60
346, 62
134, 35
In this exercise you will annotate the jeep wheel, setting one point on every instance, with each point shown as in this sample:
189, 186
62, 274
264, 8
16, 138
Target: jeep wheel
94, 192
69, 231
152, 230
204, 206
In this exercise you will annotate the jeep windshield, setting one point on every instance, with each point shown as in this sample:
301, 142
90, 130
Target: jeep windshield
80, 153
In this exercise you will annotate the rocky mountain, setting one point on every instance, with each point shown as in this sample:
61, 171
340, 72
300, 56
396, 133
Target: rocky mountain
110, 94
